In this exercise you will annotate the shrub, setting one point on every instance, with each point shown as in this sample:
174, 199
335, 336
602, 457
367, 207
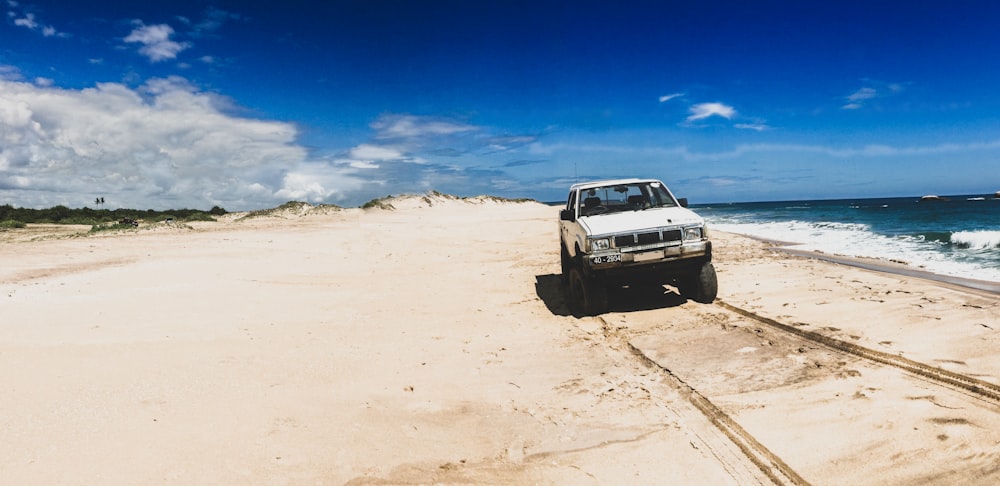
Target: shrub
11, 224
199, 217
379, 203
97, 228
79, 220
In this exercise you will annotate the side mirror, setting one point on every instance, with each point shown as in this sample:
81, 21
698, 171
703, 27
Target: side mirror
683, 201
566, 215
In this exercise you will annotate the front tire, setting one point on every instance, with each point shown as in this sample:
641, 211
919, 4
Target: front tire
587, 295
566, 262
701, 286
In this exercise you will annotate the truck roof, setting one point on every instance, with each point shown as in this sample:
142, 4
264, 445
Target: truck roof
610, 182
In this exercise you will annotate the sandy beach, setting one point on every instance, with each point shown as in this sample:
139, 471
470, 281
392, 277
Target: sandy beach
428, 341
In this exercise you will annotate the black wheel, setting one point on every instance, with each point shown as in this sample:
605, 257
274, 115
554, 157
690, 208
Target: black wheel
566, 261
702, 286
587, 296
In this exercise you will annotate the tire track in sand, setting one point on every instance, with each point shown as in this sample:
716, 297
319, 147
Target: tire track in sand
769, 463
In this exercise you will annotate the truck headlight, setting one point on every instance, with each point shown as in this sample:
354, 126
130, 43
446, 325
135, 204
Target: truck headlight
600, 244
693, 233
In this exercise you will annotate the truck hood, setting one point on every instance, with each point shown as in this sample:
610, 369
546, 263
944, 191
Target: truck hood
629, 221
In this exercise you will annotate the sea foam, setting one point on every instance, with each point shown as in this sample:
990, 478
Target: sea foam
976, 240
853, 239
960, 237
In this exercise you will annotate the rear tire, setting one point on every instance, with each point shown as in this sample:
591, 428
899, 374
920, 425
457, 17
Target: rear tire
587, 295
702, 286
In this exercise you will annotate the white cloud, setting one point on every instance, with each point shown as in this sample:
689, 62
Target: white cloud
857, 99
300, 187
28, 21
666, 98
375, 152
317, 183
156, 43
411, 126
402, 137
168, 144
504, 144
760, 127
164, 145
705, 110
10, 73
862, 94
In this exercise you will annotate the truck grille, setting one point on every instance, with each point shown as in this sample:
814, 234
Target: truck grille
648, 238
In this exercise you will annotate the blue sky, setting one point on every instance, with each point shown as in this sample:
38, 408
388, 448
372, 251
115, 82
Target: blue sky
251, 104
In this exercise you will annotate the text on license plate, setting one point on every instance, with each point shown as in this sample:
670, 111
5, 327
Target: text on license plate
613, 258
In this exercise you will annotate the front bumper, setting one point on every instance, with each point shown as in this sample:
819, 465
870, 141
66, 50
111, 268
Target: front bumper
615, 259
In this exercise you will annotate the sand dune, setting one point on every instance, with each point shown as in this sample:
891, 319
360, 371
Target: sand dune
426, 340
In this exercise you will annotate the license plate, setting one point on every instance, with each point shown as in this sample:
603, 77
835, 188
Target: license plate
613, 258
648, 255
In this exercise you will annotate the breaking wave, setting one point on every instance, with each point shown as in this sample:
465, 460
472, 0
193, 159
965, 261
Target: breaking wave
964, 253
976, 240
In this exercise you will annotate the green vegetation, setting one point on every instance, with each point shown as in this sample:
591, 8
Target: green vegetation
442, 195
379, 203
506, 200
97, 228
11, 224
93, 217
105, 219
200, 217
289, 207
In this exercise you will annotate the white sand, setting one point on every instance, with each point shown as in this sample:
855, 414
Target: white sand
431, 343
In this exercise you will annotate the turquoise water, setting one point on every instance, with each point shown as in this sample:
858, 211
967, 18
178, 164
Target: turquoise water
959, 237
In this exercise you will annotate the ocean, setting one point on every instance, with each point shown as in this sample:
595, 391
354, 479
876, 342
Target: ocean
959, 236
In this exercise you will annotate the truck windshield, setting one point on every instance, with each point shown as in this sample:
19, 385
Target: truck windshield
624, 197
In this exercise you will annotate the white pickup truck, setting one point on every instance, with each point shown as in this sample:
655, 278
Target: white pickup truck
631, 232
